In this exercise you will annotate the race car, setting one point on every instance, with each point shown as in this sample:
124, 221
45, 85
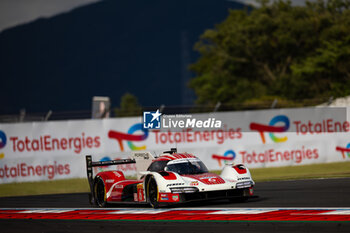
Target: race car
171, 178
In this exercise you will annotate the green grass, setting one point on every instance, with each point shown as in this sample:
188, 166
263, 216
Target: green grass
329, 170
325, 170
44, 187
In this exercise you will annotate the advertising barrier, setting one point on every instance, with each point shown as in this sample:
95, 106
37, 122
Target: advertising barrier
264, 138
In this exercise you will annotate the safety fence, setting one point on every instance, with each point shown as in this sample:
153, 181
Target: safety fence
262, 138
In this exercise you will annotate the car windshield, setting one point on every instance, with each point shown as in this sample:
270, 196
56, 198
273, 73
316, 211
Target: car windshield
187, 167
158, 166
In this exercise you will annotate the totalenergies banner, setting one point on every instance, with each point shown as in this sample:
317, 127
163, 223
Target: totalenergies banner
264, 138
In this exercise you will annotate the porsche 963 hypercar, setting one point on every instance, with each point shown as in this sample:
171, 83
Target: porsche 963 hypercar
171, 178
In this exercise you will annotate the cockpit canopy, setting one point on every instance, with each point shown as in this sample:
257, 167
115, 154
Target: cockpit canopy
185, 166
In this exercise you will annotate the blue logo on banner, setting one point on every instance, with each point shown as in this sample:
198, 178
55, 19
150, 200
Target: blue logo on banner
151, 120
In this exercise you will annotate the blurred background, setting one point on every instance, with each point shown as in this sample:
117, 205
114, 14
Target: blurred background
188, 56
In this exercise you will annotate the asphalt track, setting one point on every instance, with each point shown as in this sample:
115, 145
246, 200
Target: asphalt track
316, 193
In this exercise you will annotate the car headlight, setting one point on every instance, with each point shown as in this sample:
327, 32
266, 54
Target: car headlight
245, 184
184, 190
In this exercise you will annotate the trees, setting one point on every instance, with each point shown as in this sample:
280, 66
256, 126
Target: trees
276, 50
129, 106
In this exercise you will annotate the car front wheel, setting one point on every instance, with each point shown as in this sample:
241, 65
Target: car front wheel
153, 192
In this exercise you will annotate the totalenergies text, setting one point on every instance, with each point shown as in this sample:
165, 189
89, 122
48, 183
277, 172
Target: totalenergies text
272, 155
325, 126
48, 143
189, 136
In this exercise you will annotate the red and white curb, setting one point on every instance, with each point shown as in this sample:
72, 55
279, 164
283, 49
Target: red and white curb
182, 214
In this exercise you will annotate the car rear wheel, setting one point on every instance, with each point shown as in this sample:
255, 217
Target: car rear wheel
100, 192
153, 192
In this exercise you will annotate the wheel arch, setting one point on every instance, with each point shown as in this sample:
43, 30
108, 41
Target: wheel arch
94, 191
146, 181
234, 172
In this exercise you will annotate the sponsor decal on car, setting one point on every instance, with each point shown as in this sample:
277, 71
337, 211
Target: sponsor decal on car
141, 155
194, 183
140, 193
175, 197
212, 179
164, 197
244, 178
175, 184
117, 174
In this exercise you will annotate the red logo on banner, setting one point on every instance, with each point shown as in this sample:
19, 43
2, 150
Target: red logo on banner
129, 137
229, 155
271, 128
3, 140
344, 151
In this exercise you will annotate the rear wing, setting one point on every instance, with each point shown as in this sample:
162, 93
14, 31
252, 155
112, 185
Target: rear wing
90, 164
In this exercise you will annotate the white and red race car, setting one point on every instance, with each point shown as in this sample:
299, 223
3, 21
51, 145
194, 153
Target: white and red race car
168, 179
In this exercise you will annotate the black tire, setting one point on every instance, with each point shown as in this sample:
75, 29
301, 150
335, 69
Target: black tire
152, 192
100, 192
